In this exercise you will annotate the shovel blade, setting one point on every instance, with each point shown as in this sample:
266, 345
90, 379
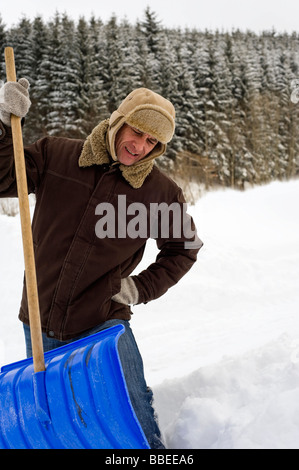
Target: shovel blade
80, 401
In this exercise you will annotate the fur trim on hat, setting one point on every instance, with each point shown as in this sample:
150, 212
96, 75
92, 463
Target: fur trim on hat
95, 152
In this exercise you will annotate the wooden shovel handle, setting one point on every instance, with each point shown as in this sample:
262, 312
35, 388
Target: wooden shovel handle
30, 272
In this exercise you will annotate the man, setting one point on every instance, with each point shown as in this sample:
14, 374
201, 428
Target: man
83, 269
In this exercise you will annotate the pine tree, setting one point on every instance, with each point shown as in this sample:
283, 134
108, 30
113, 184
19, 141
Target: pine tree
113, 66
144, 59
19, 37
38, 40
232, 96
209, 88
151, 31
98, 99
198, 50
131, 71
52, 80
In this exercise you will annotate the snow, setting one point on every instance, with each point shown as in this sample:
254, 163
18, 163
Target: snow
220, 349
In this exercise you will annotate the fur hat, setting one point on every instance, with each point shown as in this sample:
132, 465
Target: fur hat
148, 112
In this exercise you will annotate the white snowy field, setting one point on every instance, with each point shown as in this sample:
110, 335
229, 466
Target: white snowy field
221, 349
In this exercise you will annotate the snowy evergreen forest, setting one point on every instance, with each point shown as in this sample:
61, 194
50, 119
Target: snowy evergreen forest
236, 122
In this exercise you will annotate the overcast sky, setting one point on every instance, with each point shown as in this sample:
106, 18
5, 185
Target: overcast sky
256, 15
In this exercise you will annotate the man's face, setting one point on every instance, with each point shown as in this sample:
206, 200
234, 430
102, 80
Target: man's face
131, 145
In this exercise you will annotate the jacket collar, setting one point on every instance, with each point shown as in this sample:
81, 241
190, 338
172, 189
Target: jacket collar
96, 152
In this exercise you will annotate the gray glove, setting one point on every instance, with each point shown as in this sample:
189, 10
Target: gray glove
128, 294
14, 99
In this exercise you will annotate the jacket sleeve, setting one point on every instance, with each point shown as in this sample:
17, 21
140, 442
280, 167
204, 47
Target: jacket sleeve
176, 256
34, 158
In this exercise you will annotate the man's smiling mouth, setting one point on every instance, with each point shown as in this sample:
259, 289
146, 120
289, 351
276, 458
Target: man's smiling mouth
131, 153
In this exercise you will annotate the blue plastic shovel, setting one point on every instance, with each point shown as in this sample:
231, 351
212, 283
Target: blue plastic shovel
74, 396
79, 401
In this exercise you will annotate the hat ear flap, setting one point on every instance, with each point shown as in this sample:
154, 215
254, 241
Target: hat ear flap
115, 117
116, 121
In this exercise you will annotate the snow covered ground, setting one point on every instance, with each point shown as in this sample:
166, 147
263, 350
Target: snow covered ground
221, 349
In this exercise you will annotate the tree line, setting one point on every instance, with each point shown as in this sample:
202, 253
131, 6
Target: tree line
235, 120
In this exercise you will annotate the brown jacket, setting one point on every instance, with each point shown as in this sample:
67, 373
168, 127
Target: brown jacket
77, 271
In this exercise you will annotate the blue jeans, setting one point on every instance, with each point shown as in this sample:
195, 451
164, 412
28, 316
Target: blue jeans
141, 396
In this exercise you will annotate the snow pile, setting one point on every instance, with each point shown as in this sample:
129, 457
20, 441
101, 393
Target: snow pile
246, 402
221, 349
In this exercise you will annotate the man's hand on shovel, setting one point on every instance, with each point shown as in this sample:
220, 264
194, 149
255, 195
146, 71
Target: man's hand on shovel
14, 99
